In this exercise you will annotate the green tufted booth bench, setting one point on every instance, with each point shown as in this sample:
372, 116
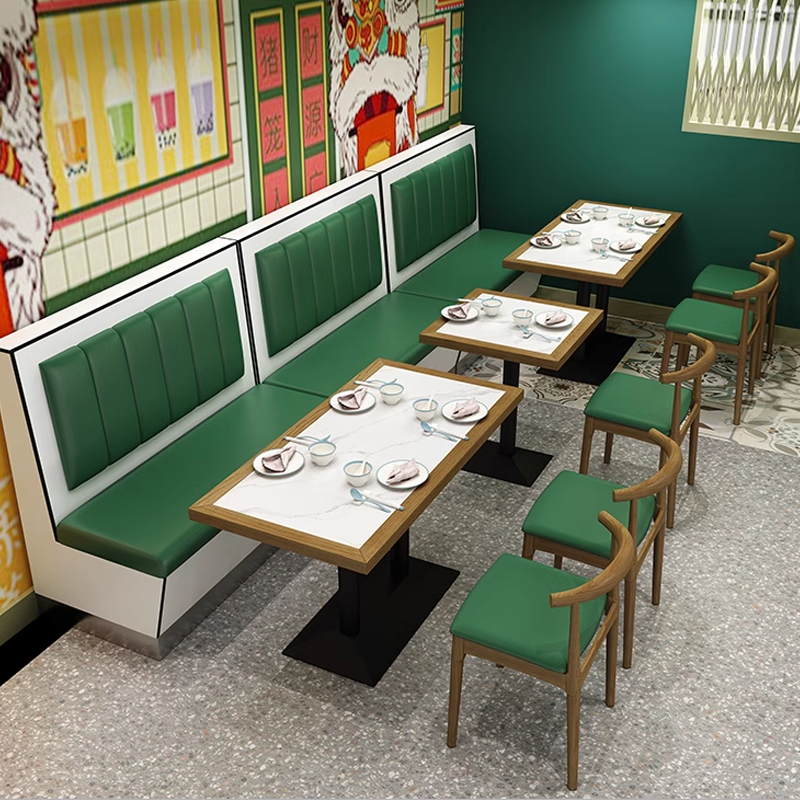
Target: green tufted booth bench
124, 385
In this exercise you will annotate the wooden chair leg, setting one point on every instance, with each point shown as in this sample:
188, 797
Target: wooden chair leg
573, 734
683, 356
558, 561
627, 625
607, 450
528, 546
671, 492
456, 674
658, 566
773, 311
669, 337
694, 438
612, 643
739, 395
586, 448
755, 366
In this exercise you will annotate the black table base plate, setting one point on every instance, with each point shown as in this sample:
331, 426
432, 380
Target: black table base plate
386, 627
522, 468
596, 360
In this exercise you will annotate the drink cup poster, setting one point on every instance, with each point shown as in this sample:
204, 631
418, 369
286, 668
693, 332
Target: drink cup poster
134, 97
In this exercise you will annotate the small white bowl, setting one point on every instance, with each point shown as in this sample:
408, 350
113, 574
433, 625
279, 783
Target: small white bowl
599, 243
391, 393
357, 472
322, 453
626, 218
425, 409
522, 316
492, 306
572, 237
599, 212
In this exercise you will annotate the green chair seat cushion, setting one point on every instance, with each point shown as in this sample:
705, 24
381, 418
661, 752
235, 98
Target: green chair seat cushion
636, 402
509, 610
388, 329
566, 512
142, 520
714, 321
475, 263
721, 281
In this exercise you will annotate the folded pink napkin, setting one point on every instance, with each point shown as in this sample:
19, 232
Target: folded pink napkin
278, 460
545, 241
627, 245
574, 216
403, 471
554, 317
653, 219
466, 408
352, 400
459, 312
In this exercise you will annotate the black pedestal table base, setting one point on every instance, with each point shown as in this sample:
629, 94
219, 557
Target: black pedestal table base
362, 629
596, 360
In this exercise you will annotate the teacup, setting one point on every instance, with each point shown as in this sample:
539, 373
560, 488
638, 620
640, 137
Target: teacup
599, 244
425, 409
572, 237
600, 212
357, 472
626, 219
492, 306
522, 316
391, 393
322, 453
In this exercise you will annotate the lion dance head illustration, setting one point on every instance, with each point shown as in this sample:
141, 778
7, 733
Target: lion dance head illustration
374, 51
27, 198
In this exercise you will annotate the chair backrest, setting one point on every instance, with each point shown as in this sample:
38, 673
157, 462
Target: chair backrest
784, 249
672, 461
706, 356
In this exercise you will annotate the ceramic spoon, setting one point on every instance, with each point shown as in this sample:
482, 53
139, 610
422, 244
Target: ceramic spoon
429, 430
360, 499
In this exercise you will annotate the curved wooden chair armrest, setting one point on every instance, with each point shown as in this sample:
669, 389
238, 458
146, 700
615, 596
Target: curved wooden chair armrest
784, 249
663, 478
702, 364
768, 279
611, 576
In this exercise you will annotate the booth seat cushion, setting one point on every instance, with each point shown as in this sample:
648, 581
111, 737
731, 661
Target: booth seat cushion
476, 262
387, 329
142, 520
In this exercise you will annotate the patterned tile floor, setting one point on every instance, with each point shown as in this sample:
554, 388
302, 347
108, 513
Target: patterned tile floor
770, 417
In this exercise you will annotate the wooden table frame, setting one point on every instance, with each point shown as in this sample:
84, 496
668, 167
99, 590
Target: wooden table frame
506, 461
384, 594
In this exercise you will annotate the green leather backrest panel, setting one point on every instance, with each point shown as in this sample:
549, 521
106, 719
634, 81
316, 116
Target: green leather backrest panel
317, 272
433, 204
122, 386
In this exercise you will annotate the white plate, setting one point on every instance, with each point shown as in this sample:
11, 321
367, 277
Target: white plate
585, 218
478, 415
615, 247
556, 243
641, 221
366, 403
411, 483
539, 320
471, 314
295, 464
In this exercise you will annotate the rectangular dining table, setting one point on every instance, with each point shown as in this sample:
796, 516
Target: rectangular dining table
500, 337
579, 262
384, 595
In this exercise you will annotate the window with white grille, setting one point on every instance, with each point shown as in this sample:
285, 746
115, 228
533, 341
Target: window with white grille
743, 77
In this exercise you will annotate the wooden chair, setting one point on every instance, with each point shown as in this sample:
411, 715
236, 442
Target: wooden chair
516, 616
563, 521
631, 405
738, 329
717, 284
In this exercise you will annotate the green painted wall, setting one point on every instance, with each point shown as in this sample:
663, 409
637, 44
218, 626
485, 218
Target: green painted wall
585, 99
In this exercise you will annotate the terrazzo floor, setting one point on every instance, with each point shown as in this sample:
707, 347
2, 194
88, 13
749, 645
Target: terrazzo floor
709, 709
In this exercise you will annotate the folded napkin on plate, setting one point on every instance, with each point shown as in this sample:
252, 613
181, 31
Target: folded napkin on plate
278, 460
545, 241
459, 312
554, 317
574, 216
653, 219
352, 400
403, 471
628, 245
465, 408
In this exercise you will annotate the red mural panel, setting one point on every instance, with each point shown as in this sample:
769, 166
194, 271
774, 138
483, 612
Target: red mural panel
269, 58
273, 129
310, 44
276, 189
313, 115
316, 169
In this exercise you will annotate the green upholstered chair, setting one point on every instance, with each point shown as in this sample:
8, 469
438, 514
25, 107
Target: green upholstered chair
563, 521
717, 283
738, 330
540, 620
631, 405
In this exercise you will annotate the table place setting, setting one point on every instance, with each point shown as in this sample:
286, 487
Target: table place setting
344, 476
